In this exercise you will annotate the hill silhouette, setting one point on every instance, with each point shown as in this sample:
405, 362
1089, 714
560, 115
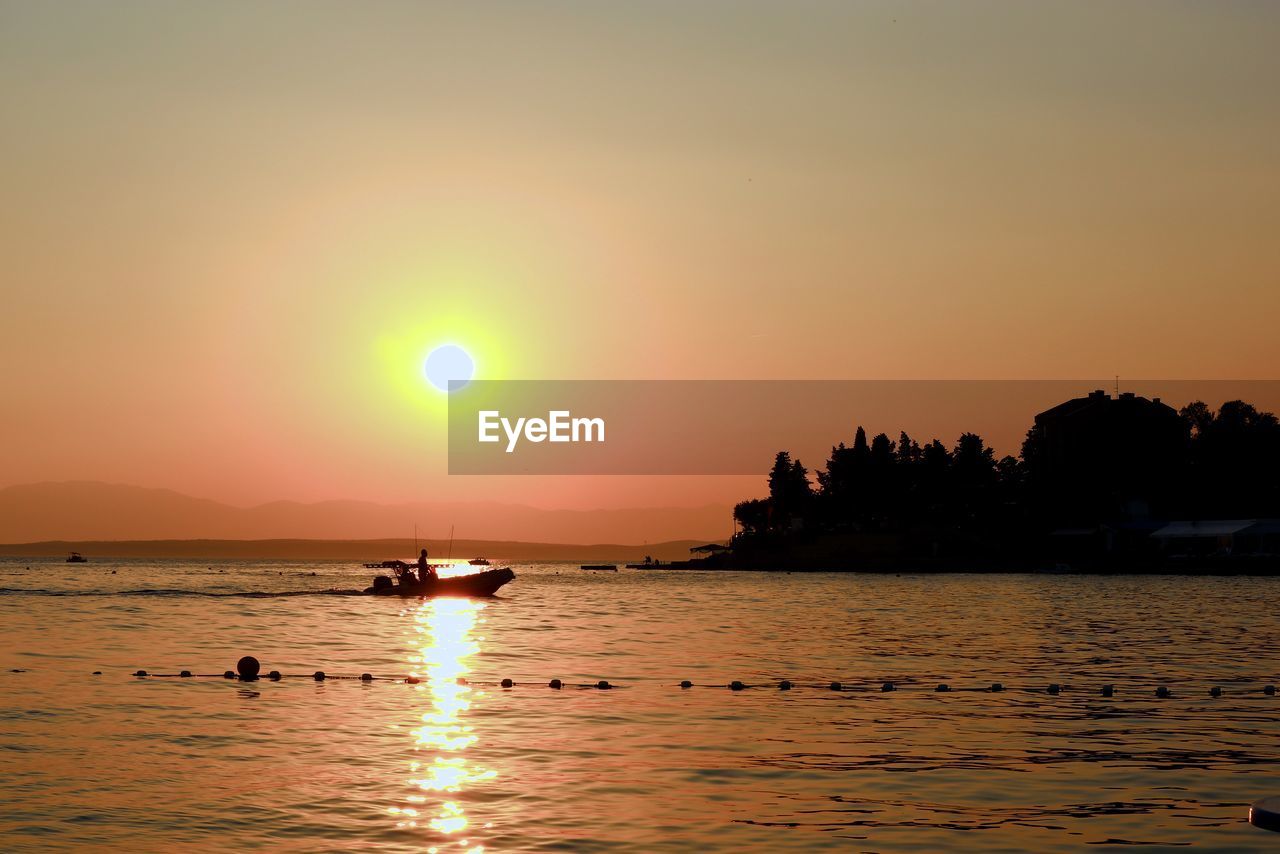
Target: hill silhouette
355, 551
90, 510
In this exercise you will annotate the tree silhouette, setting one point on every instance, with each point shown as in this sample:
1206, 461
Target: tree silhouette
1194, 464
752, 515
790, 492
1234, 461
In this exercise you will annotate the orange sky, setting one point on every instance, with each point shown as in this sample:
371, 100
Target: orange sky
231, 232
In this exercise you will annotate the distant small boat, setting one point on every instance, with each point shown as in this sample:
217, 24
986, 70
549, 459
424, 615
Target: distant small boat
76, 557
479, 561
601, 567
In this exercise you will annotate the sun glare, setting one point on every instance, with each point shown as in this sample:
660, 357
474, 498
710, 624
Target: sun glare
448, 363
445, 629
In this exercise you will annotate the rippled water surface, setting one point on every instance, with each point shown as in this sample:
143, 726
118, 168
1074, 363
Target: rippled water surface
113, 761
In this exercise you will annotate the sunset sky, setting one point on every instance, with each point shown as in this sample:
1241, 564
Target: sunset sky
232, 232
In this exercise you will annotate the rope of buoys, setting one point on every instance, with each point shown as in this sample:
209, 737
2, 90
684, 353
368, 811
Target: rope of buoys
248, 668
1054, 689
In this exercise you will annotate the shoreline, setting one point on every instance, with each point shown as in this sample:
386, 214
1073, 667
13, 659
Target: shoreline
1249, 566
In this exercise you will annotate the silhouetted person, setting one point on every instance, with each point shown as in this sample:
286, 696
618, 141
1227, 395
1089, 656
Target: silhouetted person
425, 570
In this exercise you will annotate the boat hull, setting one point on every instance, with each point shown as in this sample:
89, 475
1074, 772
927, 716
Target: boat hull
477, 584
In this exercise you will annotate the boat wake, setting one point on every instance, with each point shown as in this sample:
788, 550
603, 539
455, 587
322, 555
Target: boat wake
234, 594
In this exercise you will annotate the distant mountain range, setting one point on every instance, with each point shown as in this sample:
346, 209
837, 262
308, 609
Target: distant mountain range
88, 510
354, 551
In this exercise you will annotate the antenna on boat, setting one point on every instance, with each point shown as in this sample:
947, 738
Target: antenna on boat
449, 556
415, 537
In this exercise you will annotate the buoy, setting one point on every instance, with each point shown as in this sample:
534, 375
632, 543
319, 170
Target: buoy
555, 683
784, 685
507, 683
461, 680
1054, 688
248, 668
318, 676
603, 685
186, 674
274, 676
140, 673
366, 677
835, 686
888, 686
1163, 692
1266, 814
411, 680
1108, 690
735, 685
942, 689
686, 684
228, 674
1270, 690
996, 687
1215, 691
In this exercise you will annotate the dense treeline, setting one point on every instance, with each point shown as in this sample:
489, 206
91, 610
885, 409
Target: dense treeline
1225, 464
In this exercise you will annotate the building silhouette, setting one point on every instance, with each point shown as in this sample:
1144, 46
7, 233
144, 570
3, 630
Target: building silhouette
1100, 458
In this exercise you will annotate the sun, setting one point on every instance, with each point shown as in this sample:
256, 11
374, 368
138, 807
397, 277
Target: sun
448, 363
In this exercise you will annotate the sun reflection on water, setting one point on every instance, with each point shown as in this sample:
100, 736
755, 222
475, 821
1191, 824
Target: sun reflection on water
443, 641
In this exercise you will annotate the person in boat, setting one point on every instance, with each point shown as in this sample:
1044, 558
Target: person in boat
426, 572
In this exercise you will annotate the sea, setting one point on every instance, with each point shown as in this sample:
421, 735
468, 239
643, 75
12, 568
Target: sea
434, 754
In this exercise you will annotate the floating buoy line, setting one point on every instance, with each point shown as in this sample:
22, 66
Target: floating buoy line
249, 670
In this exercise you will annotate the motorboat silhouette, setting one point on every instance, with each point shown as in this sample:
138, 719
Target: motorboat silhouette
476, 584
